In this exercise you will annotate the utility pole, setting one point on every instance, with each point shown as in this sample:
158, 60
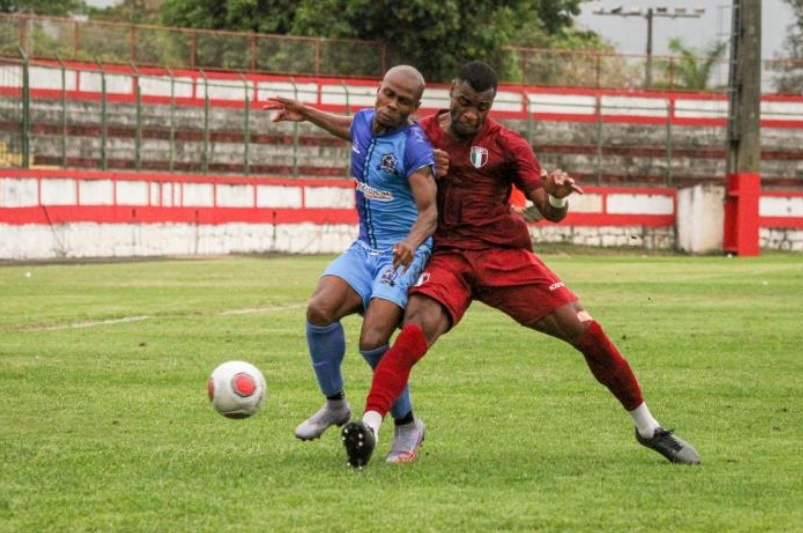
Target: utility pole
649, 14
744, 88
743, 187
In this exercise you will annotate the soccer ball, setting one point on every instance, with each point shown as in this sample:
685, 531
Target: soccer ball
237, 389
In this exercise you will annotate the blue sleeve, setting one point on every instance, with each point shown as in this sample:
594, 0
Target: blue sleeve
359, 118
418, 151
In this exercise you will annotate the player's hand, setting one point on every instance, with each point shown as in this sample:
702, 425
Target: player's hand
559, 184
403, 255
288, 110
441, 162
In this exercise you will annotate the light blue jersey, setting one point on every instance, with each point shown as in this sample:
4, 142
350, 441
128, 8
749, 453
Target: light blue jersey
381, 165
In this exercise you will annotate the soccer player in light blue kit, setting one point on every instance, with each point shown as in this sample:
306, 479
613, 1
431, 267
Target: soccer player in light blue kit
394, 170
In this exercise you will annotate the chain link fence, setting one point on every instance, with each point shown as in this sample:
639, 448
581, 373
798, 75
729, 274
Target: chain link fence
73, 40
218, 126
143, 45
14, 115
135, 120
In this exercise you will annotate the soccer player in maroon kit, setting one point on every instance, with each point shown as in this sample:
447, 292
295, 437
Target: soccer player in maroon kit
483, 252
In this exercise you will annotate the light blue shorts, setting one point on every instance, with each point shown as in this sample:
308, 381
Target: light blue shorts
370, 273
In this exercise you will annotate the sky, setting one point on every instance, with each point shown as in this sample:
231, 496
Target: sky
629, 34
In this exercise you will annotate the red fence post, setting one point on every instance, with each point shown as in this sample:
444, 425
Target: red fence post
741, 235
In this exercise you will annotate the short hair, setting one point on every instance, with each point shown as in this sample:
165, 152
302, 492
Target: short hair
479, 75
412, 74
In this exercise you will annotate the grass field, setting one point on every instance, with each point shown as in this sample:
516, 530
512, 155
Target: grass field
105, 426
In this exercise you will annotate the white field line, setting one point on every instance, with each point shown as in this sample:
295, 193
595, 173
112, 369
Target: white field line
140, 318
251, 310
78, 325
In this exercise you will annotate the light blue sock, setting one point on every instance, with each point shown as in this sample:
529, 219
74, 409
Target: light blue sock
403, 404
327, 347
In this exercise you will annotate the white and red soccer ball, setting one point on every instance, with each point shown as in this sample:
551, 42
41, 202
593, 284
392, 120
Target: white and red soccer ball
237, 389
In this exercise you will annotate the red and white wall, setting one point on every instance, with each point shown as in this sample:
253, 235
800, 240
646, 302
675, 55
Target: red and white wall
47, 214
188, 87
56, 214
71, 213
781, 220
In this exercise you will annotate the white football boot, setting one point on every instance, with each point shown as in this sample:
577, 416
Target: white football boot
333, 412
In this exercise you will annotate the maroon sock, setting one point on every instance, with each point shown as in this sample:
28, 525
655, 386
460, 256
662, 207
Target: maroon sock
393, 371
609, 367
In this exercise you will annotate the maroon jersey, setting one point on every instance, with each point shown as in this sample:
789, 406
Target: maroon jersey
474, 197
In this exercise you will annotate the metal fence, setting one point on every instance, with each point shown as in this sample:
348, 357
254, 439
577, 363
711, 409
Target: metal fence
54, 115
113, 121
144, 45
74, 40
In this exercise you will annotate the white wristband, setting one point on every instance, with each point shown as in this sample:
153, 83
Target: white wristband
557, 203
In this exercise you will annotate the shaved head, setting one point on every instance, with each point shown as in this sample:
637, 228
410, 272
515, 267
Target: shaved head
397, 97
409, 76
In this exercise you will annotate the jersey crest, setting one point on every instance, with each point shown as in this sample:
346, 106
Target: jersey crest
389, 163
478, 156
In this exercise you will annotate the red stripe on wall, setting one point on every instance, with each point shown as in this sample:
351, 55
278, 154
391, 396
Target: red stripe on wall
55, 215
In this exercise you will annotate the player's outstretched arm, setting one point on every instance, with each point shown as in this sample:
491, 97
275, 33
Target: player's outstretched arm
552, 198
424, 190
290, 110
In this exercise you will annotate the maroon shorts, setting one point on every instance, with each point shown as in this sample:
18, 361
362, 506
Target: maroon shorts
513, 280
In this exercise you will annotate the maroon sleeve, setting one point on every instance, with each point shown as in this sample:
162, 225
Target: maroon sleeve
528, 169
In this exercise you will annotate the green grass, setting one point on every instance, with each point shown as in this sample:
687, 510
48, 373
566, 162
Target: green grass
105, 426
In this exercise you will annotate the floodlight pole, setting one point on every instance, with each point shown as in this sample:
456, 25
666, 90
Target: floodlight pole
649, 14
648, 65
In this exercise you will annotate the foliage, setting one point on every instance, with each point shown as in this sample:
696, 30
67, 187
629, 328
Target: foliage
128, 11
790, 69
247, 17
258, 16
573, 58
283, 36
358, 40
446, 34
43, 7
457, 31
691, 70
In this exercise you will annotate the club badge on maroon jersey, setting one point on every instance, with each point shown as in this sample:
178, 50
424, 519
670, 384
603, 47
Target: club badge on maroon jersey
479, 156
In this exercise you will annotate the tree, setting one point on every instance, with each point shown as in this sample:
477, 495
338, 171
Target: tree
257, 16
692, 70
128, 11
43, 7
436, 36
790, 79
567, 57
